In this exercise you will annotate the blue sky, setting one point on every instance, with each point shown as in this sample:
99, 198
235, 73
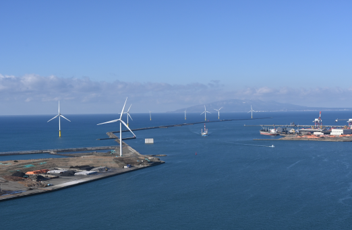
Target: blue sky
169, 52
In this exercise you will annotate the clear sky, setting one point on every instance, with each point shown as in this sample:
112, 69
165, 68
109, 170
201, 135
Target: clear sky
166, 54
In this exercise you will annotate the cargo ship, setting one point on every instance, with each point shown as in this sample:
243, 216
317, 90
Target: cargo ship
268, 132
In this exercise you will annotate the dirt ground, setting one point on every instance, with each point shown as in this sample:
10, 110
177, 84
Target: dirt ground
10, 184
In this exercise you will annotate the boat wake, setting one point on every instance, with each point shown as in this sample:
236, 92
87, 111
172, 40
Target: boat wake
267, 146
199, 133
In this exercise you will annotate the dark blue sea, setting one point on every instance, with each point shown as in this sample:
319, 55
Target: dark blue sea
233, 182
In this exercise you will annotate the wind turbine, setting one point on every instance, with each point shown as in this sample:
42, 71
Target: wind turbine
205, 112
251, 111
150, 115
59, 115
218, 112
128, 114
185, 114
121, 122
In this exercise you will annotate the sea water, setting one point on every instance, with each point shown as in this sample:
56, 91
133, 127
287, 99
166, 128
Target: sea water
223, 181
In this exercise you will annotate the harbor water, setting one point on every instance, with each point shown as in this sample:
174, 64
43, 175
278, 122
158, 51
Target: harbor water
225, 180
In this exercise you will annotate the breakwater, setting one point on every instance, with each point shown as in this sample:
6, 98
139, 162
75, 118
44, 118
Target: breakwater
183, 124
53, 151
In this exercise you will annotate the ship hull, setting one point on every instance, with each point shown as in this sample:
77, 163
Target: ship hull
268, 133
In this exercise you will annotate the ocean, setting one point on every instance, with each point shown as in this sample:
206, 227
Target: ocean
223, 181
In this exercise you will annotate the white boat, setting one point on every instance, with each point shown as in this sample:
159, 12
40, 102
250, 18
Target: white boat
204, 132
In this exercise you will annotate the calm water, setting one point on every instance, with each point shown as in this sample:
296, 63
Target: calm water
232, 183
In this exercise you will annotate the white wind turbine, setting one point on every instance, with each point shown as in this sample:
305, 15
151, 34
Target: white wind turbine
121, 122
251, 111
150, 115
218, 112
128, 115
185, 114
205, 112
59, 115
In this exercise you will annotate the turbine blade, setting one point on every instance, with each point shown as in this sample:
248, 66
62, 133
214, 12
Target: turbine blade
58, 107
127, 127
123, 108
64, 117
202, 113
221, 108
129, 109
129, 116
54, 117
107, 122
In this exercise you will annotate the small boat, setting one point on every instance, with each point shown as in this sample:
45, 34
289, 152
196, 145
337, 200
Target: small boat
204, 132
268, 132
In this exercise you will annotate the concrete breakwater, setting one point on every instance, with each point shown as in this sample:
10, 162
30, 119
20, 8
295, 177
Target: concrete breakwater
53, 151
183, 124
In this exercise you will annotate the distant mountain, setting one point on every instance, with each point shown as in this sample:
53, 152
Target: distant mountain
236, 105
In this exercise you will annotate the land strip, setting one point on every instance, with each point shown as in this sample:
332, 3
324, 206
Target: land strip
36, 178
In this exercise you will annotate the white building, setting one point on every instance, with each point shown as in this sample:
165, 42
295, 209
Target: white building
338, 132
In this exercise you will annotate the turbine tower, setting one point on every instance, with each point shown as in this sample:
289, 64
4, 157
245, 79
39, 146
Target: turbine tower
150, 115
218, 112
251, 111
128, 114
205, 113
59, 115
121, 122
185, 114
